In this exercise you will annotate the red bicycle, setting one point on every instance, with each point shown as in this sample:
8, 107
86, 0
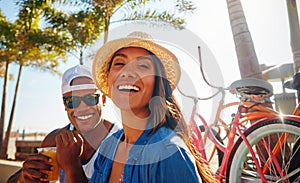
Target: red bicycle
259, 144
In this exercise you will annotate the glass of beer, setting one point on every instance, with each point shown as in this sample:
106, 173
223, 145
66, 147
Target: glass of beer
50, 152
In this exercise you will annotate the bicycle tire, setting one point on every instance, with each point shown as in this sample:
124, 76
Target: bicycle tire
217, 162
241, 167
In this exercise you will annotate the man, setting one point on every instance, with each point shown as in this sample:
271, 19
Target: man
77, 143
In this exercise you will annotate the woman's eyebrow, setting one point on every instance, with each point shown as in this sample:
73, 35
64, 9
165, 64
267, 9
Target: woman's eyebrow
144, 57
120, 55
138, 58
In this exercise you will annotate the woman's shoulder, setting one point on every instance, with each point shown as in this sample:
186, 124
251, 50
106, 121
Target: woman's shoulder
165, 149
168, 137
165, 142
109, 143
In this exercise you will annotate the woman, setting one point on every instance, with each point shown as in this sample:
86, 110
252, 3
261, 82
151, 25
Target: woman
154, 145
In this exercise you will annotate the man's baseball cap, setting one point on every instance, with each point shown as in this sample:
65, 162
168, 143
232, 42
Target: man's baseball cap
76, 72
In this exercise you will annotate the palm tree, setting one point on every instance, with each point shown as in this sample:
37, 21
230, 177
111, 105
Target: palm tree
7, 53
294, 36
247, 59
41, 48
82, 28
94, 17
138, 10
294, 32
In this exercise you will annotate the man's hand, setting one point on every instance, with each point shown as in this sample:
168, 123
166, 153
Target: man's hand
69, 147
31, 169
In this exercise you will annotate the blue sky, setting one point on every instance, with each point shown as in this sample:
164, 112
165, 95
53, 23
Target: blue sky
39, 105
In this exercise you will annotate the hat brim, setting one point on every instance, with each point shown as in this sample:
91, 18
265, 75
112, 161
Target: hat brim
105, 53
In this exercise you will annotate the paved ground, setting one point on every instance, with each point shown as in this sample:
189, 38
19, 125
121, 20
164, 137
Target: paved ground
7, 168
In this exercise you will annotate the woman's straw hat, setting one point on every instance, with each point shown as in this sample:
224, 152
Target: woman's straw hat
135, 39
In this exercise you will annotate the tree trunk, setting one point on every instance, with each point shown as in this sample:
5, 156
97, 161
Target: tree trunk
81, 57
106, 26
3, 152
294, 32
247, 59
2, 118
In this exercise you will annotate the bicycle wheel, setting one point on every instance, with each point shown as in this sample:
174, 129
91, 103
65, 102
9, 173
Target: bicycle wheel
241, 166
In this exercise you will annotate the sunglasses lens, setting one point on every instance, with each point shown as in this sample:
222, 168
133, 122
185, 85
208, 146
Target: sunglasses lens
74, 101
91, 99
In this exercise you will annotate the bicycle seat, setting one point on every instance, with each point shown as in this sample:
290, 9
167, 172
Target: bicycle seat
294, 83
251, 86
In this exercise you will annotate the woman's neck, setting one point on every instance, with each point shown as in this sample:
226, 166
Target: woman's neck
97, 134
133, 126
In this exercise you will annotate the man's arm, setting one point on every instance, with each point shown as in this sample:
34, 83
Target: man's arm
30, 171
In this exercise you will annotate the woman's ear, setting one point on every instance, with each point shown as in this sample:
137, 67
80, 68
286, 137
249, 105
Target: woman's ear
103, 100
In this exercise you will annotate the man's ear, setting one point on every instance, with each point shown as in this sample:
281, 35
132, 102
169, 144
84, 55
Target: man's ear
103, 100
65, 106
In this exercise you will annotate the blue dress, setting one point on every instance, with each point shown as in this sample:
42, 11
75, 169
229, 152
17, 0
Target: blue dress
155, 157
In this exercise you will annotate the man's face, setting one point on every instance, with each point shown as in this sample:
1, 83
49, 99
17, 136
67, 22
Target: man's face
82, 111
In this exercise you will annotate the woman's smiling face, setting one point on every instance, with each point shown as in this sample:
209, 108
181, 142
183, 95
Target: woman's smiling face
131, 80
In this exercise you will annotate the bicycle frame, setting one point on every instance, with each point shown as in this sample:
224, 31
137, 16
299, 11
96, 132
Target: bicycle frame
247, 111
253, 112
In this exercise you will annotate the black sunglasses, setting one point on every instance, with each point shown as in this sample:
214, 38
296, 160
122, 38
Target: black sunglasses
74, 101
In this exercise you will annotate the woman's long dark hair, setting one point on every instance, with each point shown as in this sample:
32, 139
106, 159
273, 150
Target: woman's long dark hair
166, 112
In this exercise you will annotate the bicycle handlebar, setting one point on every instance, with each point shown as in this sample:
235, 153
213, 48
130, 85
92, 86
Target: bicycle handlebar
244, 87
202, 72
220, 89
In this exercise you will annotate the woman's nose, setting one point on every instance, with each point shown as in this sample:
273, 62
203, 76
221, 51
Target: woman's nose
128, 71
